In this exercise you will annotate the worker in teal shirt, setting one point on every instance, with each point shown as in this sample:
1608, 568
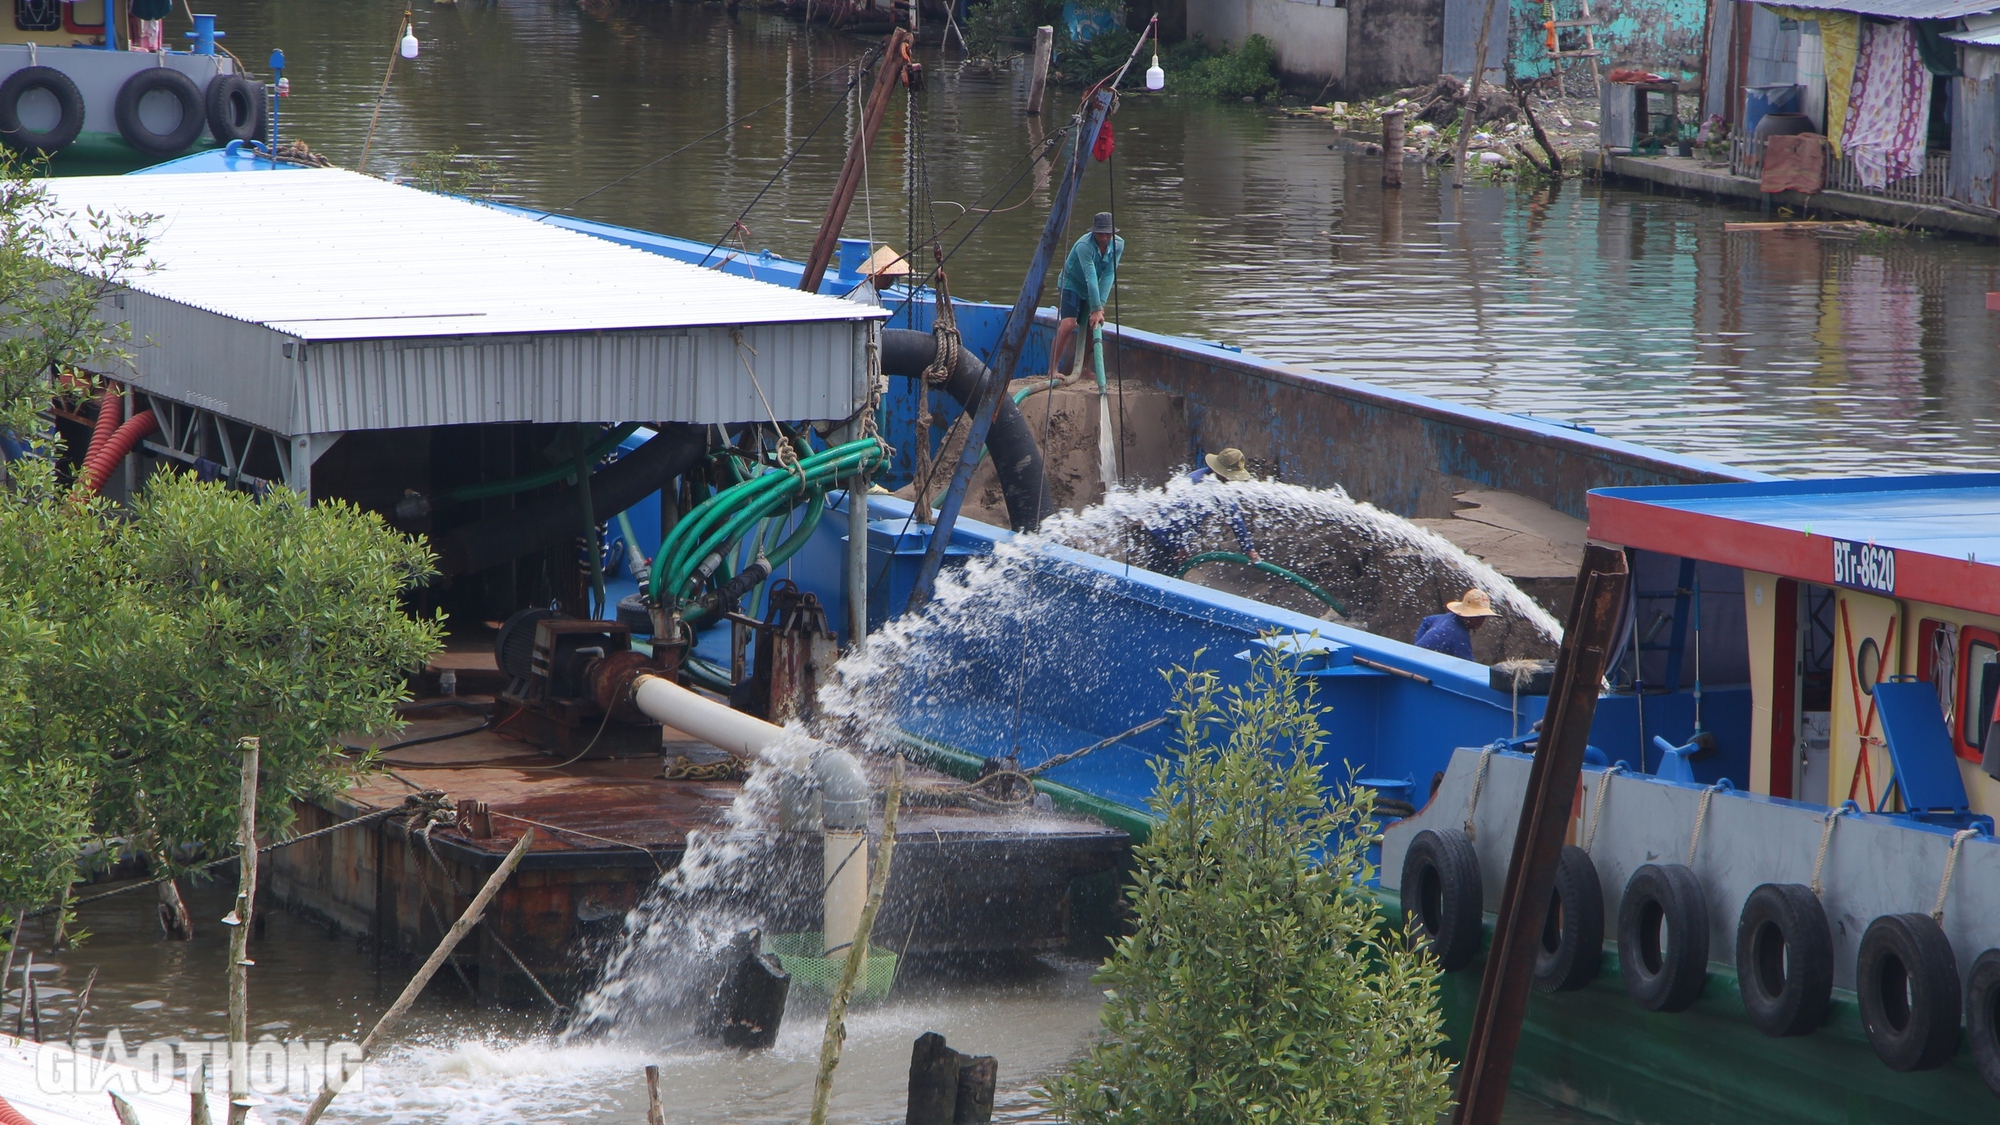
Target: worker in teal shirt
1087, 277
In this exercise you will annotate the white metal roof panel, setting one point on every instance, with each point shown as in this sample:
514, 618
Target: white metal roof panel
1895, 9
1980, 31
327, 254
321, 301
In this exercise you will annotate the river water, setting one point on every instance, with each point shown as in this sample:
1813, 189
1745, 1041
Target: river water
1632, 313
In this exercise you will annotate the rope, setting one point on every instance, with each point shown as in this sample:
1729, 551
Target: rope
1700, 819
1518, 672
1958, 838
1478, 784
409, 803
1825, 841
788, 458
1597, 805
576, 832
1026, 777
681, 768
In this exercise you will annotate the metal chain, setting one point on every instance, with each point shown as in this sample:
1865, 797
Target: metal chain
1958, 838
1597, 805
1825, 841
1478, 783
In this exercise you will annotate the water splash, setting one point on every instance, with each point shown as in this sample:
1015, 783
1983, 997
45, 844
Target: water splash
1388, 571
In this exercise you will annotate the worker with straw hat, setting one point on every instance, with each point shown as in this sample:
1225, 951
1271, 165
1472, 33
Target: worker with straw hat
1451, 633
1175, 531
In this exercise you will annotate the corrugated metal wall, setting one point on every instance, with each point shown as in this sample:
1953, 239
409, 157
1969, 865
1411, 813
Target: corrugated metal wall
1975, 130
815, 370
1461, 35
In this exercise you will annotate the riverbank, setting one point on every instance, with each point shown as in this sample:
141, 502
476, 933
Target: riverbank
1706, 179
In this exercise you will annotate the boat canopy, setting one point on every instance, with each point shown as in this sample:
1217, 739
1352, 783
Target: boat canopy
1933, 539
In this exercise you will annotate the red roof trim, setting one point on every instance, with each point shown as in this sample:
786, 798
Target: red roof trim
1789, 554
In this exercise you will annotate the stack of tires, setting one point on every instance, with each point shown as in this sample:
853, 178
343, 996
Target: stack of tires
159, 111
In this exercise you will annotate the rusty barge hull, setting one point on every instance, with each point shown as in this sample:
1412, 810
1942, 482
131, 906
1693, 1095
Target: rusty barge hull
964, 881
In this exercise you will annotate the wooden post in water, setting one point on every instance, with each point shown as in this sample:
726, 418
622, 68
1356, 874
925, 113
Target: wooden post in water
1392, 148
1038, 71
654, 1114
888, 74
239, 934
1538, 837
338, 1078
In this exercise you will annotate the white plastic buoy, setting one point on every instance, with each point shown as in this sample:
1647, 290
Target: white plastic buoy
408, 47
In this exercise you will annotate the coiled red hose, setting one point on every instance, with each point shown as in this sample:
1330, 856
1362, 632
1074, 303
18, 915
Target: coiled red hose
11, 1116
98, 465
110, 412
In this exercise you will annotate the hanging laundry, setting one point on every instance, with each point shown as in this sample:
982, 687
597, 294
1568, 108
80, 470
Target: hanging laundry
1839, 35
1890, 110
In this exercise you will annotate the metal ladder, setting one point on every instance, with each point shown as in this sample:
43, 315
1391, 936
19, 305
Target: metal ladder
1552, 43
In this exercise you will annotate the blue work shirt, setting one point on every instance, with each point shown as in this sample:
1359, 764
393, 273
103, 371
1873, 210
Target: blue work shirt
1089, 272
1445, 633
1179, 523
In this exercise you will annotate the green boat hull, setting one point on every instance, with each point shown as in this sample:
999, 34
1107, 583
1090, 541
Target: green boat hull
1597, 1051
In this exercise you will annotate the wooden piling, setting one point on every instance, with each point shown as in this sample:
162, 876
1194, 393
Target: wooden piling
1392, 148
239, 934
933, 1081
1038, 72
978, 1076
1538, 837
654, 1114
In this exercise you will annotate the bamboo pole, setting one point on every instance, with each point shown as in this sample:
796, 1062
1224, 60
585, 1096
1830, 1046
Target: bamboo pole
7, 965
1468, 121
857, 954
654, 1114
239, 934
467, 920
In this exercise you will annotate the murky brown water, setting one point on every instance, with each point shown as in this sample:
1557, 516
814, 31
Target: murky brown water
1633, 313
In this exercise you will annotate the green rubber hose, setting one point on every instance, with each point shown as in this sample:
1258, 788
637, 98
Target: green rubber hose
1269, 568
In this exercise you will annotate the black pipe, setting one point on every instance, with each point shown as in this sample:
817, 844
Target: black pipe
1011, 443
547, 523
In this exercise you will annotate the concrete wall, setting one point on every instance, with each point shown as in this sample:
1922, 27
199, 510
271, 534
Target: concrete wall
1392, 44
1310, 36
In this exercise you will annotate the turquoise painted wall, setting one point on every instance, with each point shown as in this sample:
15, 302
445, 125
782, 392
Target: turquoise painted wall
1660, 35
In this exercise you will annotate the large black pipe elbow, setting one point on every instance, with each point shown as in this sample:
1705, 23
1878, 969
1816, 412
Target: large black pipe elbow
674, 450
1017, 460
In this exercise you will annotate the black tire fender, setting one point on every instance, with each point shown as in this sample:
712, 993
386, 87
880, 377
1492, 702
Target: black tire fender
1908, 984
1572, 947
1784, 959
1982, 1017
1443, 899
1663, 937
166, 80
68, 97
233, 106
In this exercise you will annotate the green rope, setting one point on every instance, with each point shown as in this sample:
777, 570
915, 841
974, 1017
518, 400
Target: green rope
1269, 568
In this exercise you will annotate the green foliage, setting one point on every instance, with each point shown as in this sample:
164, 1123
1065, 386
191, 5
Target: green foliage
1249, 70
450, 172
1260, 984
991, 28
55, 270
209, 615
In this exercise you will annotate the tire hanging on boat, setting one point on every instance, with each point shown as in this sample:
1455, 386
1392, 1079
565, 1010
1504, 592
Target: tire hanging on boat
1663, 937
1982, 1017
1784, 959
234, 108
1907, 981
1442, 891
131, 109
26, 82
1572, 946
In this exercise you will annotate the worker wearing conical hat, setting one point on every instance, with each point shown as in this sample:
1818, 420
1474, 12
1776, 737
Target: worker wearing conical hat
1451, 633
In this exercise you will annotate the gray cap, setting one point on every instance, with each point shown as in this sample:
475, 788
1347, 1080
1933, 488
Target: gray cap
1102, 224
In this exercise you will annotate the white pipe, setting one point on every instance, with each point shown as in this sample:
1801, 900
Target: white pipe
844, 791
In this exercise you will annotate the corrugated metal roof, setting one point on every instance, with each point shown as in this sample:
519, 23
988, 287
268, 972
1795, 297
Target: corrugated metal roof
1980, 31
327, 254
321, 301
1896, 9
